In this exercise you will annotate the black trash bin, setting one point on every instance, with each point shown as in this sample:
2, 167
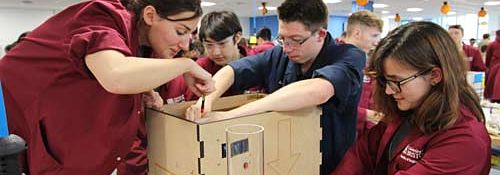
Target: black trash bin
10, 147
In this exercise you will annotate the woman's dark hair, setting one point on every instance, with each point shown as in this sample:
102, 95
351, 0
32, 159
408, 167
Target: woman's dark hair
166, 8
424, 45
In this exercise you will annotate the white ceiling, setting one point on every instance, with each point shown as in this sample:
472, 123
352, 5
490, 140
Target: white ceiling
247, 8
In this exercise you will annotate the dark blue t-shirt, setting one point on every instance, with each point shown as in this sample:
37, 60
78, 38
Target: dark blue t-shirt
342, 65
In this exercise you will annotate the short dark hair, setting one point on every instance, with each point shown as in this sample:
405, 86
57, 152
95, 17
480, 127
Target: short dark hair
498, 32
312, 13
486, 36
165, 8
219, 25
457, 27
264, 33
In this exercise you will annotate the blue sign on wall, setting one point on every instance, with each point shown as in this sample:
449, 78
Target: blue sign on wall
4, 131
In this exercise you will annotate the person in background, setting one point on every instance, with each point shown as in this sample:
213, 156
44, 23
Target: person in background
219, 32
73, 87
484, 44
472, 42
433, 122
492, 83
470, 54
196, 50
194, 35
307, 69
264, 42
244, 47
363, 31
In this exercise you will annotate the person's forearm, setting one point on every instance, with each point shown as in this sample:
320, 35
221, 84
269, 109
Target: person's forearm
224, 78
130, 75
295, 96
147, 74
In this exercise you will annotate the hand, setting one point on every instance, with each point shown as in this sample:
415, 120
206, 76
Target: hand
214, 116
152, 99
199, 81
194, 111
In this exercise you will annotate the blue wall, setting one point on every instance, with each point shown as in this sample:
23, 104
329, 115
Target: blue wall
336, 24
270, 22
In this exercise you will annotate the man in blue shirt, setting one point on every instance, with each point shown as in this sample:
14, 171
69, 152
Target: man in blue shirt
308, 69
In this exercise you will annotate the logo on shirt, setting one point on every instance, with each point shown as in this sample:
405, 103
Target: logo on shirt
178, 99
411, 154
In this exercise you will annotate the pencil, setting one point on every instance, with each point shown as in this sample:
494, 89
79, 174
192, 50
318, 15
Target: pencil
202, 103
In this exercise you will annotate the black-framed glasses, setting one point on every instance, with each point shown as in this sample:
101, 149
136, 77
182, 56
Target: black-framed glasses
396, 85
293, 42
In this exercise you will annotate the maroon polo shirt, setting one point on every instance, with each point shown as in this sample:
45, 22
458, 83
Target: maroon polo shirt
72, 125
492, 84
365, 103
176, 91
474, 58
263, 47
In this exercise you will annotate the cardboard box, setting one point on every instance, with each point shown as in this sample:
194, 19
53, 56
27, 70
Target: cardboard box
178, 146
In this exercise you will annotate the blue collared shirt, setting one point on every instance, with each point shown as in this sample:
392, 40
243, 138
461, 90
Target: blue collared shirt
341, 65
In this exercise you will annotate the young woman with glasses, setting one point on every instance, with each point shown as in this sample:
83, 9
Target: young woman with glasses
433, 122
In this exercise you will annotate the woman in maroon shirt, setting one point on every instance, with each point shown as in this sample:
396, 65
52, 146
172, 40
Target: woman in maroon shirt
433, 122
73, 86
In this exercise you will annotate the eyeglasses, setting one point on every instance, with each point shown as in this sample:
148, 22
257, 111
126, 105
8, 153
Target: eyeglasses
292, 42
396, 85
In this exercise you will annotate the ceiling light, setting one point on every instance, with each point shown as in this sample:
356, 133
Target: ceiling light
414, 9
268, 8
492, 3
385, 12
207, 4
380, 5
332, 1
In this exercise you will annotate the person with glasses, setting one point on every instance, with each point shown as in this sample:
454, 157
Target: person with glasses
433, 122
307, 69
219, 32
73, 87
